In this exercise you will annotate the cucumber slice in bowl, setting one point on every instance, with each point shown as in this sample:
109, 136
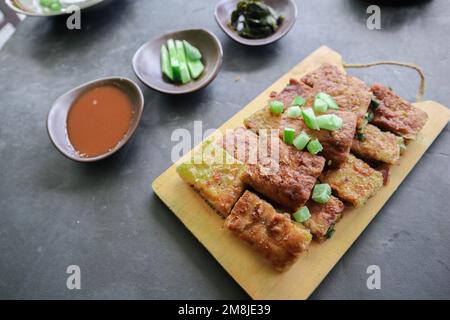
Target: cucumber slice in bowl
165, 63
174, 62
184, 71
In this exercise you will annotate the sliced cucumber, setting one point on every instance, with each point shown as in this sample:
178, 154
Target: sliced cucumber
165, 63
184, 71
174, 60
195, 68
192, 53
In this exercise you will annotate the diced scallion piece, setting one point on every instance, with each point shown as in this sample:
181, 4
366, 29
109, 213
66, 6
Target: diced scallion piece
301, 141
314, 147
302, 215
321, 193
298, 101
294, 112
401, 144
288, 135
276, 106
369, 116
329, 122
374, 103
360, 136
192, 53
328, 99
320, 105
165, 63
310, 119
330, 232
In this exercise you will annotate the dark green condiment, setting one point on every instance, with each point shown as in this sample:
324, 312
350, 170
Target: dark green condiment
255, 20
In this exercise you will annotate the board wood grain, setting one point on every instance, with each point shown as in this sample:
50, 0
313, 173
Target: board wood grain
251, 271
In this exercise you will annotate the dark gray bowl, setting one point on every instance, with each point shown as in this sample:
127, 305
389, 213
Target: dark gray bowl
287, 8
147, 62
57, 117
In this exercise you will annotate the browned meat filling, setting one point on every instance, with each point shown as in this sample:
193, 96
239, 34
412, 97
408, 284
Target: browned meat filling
336, 144
281, 173
397, 115
323, 217
272, 234
350, 93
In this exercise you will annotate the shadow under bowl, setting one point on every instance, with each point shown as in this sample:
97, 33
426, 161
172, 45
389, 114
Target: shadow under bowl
57, 117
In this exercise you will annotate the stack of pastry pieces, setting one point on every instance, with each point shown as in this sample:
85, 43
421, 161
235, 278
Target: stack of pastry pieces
277, 196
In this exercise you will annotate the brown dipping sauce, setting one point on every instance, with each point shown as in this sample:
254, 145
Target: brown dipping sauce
98, 120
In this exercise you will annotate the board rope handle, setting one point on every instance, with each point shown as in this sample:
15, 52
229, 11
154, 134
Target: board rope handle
395, 63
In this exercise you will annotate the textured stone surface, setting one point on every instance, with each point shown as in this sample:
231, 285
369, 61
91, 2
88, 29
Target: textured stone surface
105, 218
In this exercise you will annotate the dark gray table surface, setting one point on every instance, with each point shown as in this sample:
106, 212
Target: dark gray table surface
105, 218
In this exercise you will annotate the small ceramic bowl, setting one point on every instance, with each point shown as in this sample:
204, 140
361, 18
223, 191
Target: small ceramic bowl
57, 117
147, 61
33, 8
286, 8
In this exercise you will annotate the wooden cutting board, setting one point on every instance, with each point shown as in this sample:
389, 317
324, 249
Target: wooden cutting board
252, 273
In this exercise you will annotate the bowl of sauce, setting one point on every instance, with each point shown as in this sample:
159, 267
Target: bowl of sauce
96, 119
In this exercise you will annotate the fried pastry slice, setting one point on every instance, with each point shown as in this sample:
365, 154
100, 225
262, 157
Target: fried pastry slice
216, 176
397, 115
263, 120
336, 144
354, 182
350, 93
280, 172
377, 145
323, 217
293, 89
270, 233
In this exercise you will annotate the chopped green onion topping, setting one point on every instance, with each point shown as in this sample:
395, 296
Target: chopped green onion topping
302, 215
328, 99
369, 116
329, 122
294, 112
330, 232
276, 106
401, 144
301, 141
374, 103
321, 193
310, 119
298, 101
320, 105
360, 136
288, 135
314, 147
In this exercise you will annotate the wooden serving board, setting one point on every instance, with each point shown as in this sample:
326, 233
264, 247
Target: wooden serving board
251, 271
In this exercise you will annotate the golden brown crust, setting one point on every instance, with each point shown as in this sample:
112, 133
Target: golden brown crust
262, 120
397, 115
354, 182
292, 90
336, 144
350, 93
281, 173
217, 182
323, 217
377, 145
272, 234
